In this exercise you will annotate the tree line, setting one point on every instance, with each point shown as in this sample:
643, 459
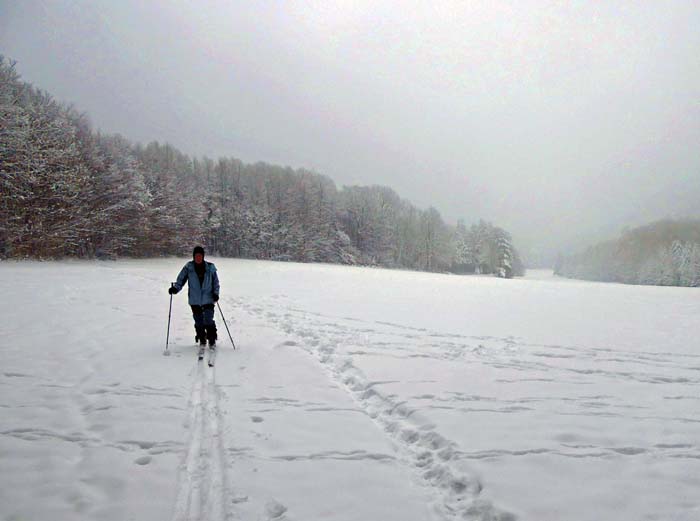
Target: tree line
68, 191
664, 253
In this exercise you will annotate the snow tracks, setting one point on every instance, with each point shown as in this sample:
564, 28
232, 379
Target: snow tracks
201, 490
452, 488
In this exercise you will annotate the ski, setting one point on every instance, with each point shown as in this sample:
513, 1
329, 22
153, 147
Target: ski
212, 357
200, 355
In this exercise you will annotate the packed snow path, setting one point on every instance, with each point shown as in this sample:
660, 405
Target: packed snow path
355, 394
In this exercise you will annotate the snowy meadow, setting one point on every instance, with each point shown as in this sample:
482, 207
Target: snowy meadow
354, 394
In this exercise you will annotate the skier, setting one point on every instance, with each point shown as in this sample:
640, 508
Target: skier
203, 292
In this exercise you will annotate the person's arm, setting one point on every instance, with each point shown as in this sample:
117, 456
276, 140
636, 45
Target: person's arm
215, 283
181, 278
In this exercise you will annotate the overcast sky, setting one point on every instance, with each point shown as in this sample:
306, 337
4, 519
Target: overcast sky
560, 121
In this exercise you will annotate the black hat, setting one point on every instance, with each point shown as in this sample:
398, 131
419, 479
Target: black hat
198, 249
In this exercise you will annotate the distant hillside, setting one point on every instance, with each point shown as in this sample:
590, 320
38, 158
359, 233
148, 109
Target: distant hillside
664, 253
68, 191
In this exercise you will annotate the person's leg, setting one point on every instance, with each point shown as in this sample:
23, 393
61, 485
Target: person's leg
209, 324
198, 315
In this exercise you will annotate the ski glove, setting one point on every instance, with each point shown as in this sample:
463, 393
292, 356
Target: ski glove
172, 290
215, 297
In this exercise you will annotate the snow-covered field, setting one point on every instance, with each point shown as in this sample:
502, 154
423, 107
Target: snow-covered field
355, 394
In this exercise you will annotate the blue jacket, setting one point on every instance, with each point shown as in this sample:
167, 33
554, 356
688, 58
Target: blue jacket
199, 295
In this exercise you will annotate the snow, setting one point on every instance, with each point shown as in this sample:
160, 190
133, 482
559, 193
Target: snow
355, 393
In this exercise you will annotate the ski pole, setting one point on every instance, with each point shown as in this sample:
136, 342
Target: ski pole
170, 310
227, 329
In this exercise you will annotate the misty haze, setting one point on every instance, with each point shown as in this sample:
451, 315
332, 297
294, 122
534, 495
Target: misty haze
444, 258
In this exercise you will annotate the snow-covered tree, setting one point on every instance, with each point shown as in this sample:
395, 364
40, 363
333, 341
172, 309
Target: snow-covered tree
67, 190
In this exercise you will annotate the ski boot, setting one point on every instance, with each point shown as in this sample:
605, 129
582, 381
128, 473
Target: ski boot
211, 335
201, 336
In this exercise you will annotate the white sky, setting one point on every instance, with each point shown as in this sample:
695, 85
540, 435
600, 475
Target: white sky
561, 121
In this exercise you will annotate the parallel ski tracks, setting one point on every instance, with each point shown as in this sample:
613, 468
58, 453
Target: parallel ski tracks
202, 479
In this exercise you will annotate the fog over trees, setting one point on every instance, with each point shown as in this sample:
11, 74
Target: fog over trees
70, 191
665, 253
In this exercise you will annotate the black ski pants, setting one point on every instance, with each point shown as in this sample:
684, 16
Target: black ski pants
204, 321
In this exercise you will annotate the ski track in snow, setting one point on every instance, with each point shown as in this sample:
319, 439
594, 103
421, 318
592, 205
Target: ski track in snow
202, 480
434, 459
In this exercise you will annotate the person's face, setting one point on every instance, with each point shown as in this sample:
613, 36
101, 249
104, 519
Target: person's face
198, 258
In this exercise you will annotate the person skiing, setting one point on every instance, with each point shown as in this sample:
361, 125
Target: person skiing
203, 292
